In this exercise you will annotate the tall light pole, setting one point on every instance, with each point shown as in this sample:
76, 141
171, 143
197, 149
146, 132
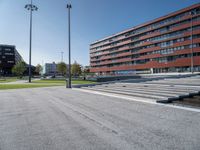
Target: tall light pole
192, 57
62, 56
68, 85
31, 8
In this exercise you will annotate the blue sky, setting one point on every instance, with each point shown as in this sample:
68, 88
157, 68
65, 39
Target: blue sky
91, 20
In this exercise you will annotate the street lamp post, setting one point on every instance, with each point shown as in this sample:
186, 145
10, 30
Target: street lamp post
68, 85
62, 56
192, 57
31, 8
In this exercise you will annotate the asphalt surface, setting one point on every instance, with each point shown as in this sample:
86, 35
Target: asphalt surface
56, 118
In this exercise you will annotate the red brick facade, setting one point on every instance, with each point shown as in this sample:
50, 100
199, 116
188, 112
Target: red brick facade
167, 44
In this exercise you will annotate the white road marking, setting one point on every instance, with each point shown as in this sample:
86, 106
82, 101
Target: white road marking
137, 99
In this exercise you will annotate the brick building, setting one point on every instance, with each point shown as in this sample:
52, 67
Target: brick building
167, 44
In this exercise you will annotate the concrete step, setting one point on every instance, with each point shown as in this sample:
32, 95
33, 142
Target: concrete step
163, 91
161, 99
196, 88
167, 88
196, 83
157, 93
184, 79
174, 83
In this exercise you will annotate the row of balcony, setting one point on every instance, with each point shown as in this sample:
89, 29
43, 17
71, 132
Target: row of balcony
152, 48
181, 62
150, 35
153, 42
150, 56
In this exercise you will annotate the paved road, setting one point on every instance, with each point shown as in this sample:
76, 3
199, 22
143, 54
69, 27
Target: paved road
59, 119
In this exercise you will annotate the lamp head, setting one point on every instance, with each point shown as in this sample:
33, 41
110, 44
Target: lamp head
69, 6
31, 7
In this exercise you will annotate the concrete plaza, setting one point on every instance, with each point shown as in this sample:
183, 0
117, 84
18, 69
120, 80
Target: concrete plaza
58, 119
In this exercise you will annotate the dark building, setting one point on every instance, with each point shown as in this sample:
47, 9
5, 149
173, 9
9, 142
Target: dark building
9, 56
167, 44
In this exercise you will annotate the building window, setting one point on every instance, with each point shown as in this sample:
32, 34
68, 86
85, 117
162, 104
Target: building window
10, 62
7, 49
9, 54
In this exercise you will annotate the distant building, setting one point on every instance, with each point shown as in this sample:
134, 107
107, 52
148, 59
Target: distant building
50, 69
85, 68
170, 43
9, 56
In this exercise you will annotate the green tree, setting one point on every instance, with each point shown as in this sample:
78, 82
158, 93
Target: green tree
62, 68
19, 69
38, 69
76, 69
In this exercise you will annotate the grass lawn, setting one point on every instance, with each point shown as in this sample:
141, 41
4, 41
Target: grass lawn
63, 81
27, 85
6, 80
82, 82
40, 83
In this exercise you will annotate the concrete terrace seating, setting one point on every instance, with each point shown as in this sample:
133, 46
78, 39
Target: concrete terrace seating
155, 89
